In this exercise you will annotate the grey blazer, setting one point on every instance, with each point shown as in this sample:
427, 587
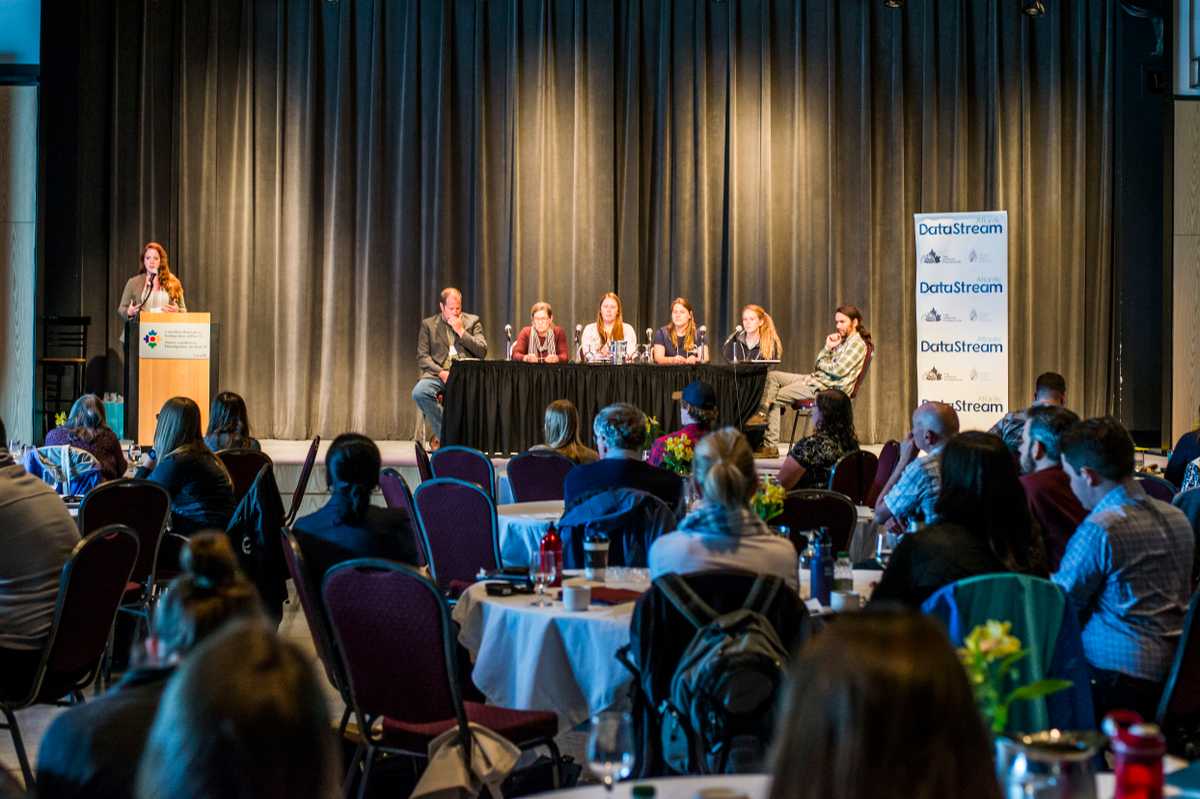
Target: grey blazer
133, 292
433, 343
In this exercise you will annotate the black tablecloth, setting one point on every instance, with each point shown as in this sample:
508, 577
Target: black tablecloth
497, 406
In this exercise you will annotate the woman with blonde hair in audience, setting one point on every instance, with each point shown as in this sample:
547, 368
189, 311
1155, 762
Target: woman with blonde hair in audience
560, 426
723, 532
757, 340
610, 326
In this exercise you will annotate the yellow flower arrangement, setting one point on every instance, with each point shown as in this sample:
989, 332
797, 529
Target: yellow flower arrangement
677, 454
768, 499
60, 418
989, 653
653, 431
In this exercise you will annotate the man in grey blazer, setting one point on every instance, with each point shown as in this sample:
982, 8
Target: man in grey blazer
445, 337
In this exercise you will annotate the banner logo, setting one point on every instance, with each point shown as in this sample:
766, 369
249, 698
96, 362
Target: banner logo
960, 287
960, 347
151, 339
959, 229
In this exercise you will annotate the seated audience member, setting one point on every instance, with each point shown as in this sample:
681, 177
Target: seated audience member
911, 492
1052, 504
724, 533
200, 487
855, 720
560, 427
983, 525
244, 717
679, 342
349, 526
92, 750
620, 431
610, 325
757, 340
1127, 569
1050, 389
36, 538
87, 428
542, 341
697, 411
1191, 476
228, 424
1187, 449
810, 462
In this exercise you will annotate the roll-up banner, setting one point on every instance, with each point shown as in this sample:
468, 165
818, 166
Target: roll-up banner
962, 314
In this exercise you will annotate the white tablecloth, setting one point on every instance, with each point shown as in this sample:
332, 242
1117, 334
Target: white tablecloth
534, 658
753, 786
522, 525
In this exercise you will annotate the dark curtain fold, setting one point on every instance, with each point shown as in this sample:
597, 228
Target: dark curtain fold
318, 170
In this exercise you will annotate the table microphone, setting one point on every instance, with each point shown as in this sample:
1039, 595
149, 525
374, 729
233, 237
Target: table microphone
649, 335
508, 332
702, 332
732, 336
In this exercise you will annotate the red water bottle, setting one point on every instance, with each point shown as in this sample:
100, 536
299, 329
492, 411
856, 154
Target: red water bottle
1138, 748
552, 543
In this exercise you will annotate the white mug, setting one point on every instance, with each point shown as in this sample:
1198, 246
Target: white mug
844, 600
576, 596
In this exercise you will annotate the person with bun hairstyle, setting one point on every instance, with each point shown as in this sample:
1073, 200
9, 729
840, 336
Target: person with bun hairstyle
724, 533
153, 288
92, 750
349, 526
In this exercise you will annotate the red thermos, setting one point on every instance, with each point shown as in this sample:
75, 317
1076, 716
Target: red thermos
552, 543
1138, 748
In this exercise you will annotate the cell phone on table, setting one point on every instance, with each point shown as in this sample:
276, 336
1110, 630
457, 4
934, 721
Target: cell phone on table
507, 588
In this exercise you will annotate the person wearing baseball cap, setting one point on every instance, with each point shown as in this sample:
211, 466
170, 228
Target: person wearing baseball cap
698, 411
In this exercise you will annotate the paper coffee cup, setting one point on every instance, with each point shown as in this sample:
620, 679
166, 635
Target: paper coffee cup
576, 595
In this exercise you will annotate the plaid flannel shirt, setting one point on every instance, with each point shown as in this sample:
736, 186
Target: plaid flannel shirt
916, 492
839, 367
1128, 571
1011, 428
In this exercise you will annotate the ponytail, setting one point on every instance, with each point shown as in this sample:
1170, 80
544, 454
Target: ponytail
352, 464
724, 467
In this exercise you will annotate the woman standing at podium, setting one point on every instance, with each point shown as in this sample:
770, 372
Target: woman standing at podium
154, 288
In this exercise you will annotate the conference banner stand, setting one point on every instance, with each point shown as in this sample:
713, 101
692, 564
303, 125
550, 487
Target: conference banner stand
168, 355
962, 314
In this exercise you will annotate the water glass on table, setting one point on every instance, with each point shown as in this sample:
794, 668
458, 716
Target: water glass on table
610, 747
885, 544
543, 570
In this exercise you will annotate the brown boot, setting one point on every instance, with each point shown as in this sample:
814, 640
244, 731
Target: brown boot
759, 419
766, 452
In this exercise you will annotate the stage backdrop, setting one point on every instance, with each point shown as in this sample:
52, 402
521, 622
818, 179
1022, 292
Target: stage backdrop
318, 170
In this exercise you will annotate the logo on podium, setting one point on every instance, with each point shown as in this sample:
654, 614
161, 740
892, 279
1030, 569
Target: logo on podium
151, 339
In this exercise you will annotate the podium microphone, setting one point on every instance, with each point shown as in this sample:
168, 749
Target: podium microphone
732, 335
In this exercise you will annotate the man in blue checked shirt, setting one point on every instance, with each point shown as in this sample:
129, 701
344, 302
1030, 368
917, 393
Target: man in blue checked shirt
1127, 569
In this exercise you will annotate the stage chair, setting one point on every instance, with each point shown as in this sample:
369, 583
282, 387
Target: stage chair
64, 348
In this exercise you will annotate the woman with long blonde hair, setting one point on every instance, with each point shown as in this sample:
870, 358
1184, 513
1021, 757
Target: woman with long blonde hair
153, 288
679, 342
758, 340
609, 326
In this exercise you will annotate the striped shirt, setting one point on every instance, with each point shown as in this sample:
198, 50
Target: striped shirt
1128, 571
839, 367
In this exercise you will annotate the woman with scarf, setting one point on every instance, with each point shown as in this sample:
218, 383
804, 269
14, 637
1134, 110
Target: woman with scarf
542, 341
723, 533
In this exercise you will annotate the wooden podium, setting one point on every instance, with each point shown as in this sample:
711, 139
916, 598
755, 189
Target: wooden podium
168, 355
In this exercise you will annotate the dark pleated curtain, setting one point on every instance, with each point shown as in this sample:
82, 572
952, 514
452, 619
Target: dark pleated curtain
318, 170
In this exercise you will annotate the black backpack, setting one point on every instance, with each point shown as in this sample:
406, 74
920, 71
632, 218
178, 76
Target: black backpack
719, 716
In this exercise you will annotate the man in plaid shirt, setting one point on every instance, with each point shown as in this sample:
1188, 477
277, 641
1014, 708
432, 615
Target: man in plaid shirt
1127, 569
1050, 389
838, 365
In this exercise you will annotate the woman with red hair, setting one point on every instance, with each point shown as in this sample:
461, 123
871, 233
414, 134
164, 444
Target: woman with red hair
153, 288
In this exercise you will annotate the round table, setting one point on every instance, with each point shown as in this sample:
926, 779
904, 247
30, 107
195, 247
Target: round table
521, 526
535, 658
752, 786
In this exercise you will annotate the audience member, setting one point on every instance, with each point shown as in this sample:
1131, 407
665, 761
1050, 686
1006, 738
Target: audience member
838, 365
620, 431
1187, 449
542, 341
244, 718
1050, 389
1127, 569
200, 487
348, 526
229, 424
983, 525
723, 533
911, 492
859, 718
1052, 504
36, 538
697, 411
87, 428
445, 337
1191, 476
92, 750
560, 427
810, 462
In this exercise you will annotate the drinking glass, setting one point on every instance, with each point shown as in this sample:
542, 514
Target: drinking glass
610, 747
885, 543
537, 573
549, 571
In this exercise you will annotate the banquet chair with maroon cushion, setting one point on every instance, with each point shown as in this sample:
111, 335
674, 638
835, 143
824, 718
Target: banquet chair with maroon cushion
243, 465
888, 456
424, 468
465, 464
538, 475
1179, 709
398, 495
384, 613
1156, 487
90, 589
458, 527
854, 474
302, 482
309, 595
812, 508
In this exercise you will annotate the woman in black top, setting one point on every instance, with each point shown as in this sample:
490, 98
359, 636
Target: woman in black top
811, 459
679, 341
200, 487
984, 525
229, 424
757, 339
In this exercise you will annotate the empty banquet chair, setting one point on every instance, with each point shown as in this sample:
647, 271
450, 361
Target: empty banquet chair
243, 465
537, 475
1179, 707
383, 613
854, 474
397, 494
1044, 620
302, 483
810, 509
459, 533
92, 584
465, 464
888, 456
631, 519
424, 467
1156, 487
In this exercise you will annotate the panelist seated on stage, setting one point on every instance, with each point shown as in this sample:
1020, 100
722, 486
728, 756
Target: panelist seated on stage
620, 431
444, 338
560, 427
757, 340
838, 365
679, 342
154, 288
542, 341
610, 326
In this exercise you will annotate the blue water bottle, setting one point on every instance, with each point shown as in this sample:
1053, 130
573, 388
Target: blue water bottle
821, 568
